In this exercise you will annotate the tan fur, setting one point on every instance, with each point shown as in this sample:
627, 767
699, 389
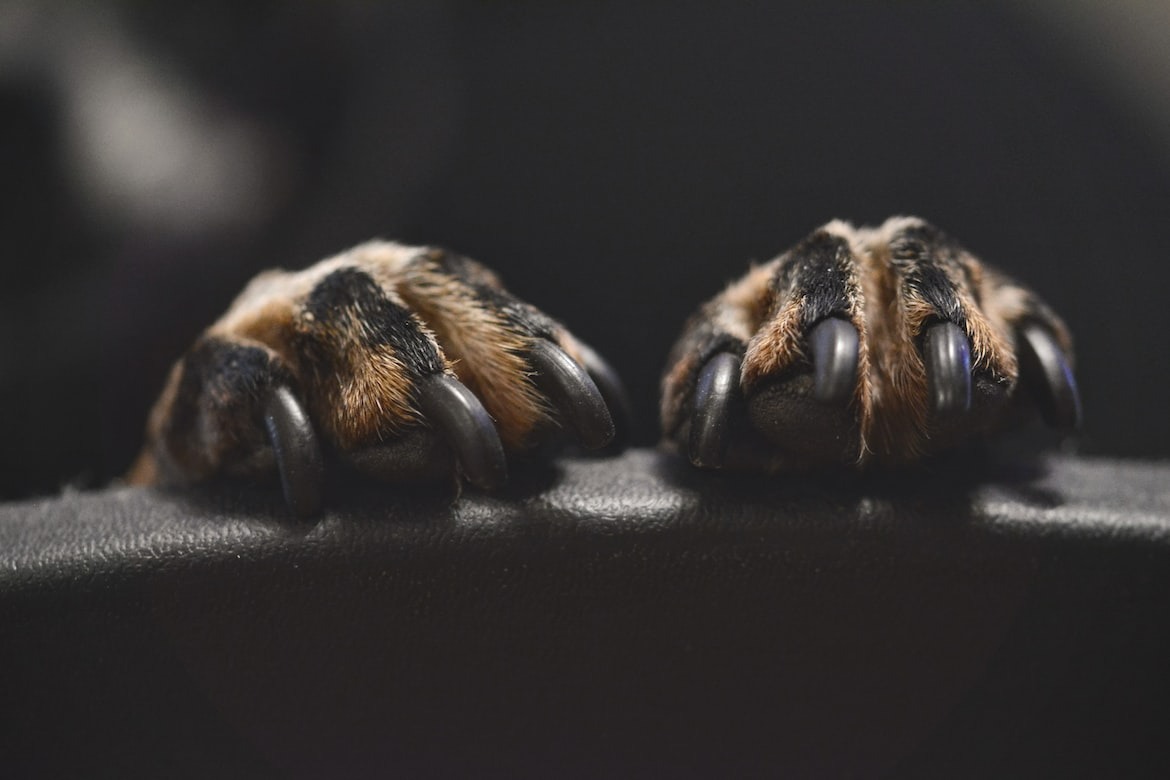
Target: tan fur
743, 309
988, 330
737, 311
487, 355
898, 381
270, 321
899, 396
874, 326
144, 470
366, 399
370, 395
777, 345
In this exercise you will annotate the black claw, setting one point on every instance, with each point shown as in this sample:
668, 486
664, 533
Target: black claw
298, 456
571, 390
947, 355
715, 392
1046, 370
466, 426
834, 344
612, 391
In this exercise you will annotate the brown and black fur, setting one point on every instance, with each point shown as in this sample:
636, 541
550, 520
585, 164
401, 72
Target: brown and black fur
889, 282
352, 336
355, 336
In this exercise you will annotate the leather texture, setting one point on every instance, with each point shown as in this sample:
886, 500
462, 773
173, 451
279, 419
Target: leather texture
627, 616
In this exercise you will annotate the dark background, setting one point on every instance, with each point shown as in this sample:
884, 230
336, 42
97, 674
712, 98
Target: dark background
616, 162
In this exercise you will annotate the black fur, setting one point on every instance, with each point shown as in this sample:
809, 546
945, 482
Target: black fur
216, 413
350, 301
817, 270
219, 375
921, 254
716, 341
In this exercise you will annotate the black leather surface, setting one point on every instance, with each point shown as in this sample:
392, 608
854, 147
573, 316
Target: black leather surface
607, 617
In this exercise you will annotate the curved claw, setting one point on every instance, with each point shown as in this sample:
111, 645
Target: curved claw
612, 391
466, 426
572, 391
947, 355
298, 456
1045, 367
835, 348
715, 391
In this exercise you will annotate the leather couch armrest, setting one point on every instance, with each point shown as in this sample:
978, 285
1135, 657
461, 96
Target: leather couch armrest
605, 617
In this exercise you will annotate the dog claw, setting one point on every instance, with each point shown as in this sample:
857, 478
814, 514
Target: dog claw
573, 392
834, 343
1045, 369
715, 393
466, 426
947, 355
612, 391
298, 455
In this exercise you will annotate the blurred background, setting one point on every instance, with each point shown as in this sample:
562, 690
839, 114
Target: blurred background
616, 162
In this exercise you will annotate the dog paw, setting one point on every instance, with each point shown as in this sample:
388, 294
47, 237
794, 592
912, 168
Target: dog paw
406, 363
863, 345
